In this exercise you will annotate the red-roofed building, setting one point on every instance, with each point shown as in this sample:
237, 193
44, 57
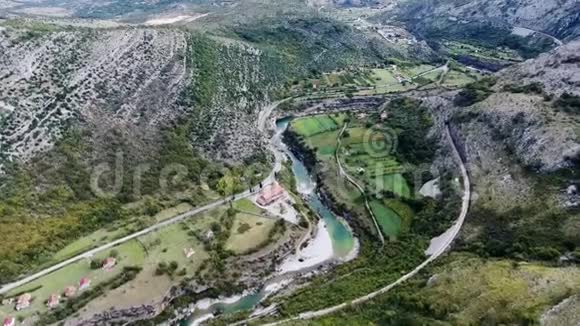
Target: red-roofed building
53, 301
23, 301
70, 291
270, 194
10, 321
84, 284
109, 263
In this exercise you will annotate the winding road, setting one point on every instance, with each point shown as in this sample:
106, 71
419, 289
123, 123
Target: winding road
440, 250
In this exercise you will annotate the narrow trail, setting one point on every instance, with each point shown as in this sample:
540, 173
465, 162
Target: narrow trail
454, 231
358, 186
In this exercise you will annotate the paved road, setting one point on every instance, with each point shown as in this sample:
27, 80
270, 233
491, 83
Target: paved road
353, 181
262, 119
150, 229
532, 31
436, 254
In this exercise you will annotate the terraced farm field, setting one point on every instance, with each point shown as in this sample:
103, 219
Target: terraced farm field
367, 155
311, 126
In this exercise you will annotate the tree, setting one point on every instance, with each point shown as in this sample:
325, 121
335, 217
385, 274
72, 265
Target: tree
173, 266
96, 263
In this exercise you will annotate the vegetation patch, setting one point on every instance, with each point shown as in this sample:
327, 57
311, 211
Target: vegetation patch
251, 232
569, 103
475, 92
467, 290
395, 184
128, 254
388, 220
311, 126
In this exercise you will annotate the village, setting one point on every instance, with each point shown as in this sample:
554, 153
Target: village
24, 300
272, 200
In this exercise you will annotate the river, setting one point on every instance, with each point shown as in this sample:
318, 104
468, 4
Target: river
332, 231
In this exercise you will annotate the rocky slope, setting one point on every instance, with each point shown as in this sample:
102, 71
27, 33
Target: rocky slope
534, 130
559, 18
123, 80
122, 86
557, 71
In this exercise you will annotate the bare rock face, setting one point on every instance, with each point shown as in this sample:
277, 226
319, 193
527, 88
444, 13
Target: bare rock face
566, 312
558, 18
124, 85
529, 127
558, 71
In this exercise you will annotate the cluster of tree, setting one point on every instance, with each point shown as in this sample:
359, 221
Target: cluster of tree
569, 103
478, 33
373, 269
279, 228
475, 92
433, 217
413, 122
302, 39
531, 88
204, 63
35, 229
533, 232
170, 269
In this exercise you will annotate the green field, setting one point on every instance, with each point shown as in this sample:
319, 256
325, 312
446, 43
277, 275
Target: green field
325, 144
396, 184
403, 211
247, 206
363, 159
388, 220
173, 211
129, 254
168, 244
311, 126
96, 239
456, 78
459, 48
417, 70
384, 77
249, 232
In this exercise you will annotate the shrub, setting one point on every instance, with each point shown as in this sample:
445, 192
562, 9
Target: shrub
569, 103
475, 92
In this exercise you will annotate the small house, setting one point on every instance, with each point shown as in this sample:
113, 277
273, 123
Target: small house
23, 301
70, 291
10, 321
84, 284
109, 263
53, 301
